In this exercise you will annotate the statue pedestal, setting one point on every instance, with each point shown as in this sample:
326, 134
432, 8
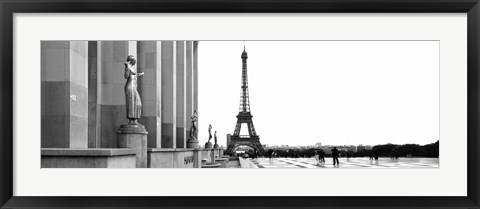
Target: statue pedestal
134, 137
216, 146
208, 145
212, 155
192, 143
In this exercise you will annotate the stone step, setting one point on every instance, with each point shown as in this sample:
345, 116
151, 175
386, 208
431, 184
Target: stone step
212, 165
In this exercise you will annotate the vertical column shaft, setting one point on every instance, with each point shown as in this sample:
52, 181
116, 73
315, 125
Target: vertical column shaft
113, 55
189, 87
149, 62
64, 89
180, 94
168, 92
93, 100
195, 81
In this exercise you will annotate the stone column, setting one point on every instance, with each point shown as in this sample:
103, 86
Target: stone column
195, 77
197, 158
112, 56
93, 99
195, 82
181, 93
168, 93
149, 61
64, 94
212, 155
191, 143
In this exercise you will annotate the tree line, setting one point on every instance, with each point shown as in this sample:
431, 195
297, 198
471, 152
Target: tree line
384, 150
407, 150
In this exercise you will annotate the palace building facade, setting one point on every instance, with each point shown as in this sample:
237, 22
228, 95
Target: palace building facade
83, 103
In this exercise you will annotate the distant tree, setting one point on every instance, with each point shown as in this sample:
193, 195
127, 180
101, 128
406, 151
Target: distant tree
431, 150
363, 153
384, 150
415, 150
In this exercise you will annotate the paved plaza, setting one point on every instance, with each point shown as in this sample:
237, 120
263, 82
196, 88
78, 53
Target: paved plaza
346, 163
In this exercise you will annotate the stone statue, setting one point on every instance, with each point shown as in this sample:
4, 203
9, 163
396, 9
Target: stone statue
193, 126
215, 137
209, 133
132, 97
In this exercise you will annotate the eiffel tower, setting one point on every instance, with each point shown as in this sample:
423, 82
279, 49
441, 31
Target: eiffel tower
244, 116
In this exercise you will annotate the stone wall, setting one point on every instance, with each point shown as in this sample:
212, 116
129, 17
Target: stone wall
205, 154
171, 158
87, 158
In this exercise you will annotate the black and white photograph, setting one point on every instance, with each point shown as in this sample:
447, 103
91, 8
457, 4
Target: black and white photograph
317, 104
201, 104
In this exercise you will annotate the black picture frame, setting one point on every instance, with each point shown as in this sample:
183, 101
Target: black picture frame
9, 7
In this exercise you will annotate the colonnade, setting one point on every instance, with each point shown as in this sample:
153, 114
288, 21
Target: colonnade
83, 100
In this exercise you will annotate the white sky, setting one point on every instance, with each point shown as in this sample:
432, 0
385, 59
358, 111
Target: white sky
333, 92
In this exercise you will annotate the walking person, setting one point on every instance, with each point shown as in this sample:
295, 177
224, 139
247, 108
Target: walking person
321, 155
335, 156
270, 154
317, 157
